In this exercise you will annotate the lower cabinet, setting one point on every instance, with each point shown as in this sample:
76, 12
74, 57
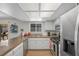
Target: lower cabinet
18, 51
10, 53
38, 43
25, 47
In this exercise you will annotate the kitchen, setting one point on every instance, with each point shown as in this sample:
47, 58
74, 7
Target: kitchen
39, 29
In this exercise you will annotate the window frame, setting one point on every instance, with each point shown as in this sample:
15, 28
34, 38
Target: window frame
36, 27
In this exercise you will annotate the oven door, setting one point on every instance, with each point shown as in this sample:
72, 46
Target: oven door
53, 48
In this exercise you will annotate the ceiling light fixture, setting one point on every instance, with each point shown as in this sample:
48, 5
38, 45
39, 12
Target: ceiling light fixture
37, 19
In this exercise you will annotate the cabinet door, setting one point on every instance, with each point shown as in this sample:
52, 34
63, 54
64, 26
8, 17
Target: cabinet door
21, 50
42, 43
18, 51
25, 46
32, 43
9, 54
38, 43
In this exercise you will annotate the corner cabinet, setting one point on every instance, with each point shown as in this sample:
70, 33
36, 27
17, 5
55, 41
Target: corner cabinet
18, 51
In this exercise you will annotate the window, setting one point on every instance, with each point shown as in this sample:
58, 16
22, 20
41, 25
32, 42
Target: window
35, 27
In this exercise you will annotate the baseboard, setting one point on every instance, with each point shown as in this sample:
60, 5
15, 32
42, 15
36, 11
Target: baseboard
38, 49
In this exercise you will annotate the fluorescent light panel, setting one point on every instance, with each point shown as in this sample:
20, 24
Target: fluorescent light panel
36, 19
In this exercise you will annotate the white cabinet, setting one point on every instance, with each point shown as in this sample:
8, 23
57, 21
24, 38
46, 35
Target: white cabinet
25, 46
10, 53
18, 51
38, 43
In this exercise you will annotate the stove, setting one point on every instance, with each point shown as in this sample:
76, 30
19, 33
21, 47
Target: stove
54, 45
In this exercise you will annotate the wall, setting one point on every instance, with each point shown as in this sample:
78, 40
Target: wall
57, 22
49, 25
10, 21
26, 26
68, 22
45, 26
19, 24
3, 21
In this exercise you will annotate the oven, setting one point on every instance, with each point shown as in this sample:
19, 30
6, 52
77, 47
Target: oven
54, 47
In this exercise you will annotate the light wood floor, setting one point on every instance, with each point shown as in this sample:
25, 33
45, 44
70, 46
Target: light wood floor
39, 53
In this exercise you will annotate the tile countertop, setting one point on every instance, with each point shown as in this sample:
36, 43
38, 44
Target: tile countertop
12, 43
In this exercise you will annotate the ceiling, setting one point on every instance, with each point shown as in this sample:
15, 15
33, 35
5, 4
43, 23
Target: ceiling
3, 15
39, 10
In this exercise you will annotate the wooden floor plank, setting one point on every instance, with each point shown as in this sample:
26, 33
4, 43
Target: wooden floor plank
39, 53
